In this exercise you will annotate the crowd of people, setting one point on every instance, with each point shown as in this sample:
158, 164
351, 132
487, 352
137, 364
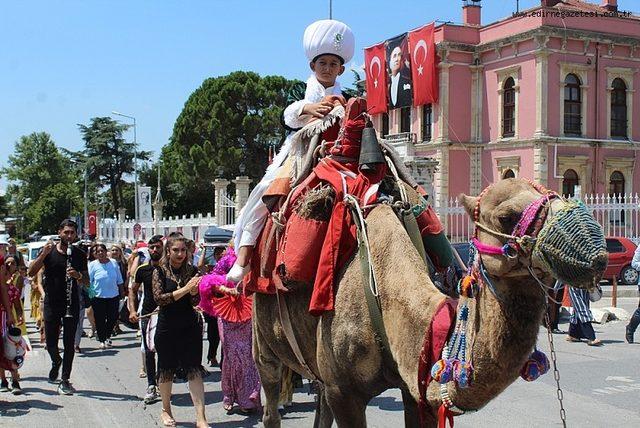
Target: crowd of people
155, 290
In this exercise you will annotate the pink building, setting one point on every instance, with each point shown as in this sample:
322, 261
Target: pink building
550, 94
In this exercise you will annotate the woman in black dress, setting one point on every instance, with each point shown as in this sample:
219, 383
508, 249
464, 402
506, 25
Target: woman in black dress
178, 338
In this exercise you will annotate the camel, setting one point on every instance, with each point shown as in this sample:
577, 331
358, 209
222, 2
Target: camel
339, 346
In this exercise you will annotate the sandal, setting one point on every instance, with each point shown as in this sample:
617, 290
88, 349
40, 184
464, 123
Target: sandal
227, 407
595, 342
169, 421
573, 339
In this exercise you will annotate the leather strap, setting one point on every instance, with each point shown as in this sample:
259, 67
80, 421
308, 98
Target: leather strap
283, 312
373, 301
411, 226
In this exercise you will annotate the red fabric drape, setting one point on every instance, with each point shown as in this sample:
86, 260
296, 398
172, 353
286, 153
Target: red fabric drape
375, 60
424, 72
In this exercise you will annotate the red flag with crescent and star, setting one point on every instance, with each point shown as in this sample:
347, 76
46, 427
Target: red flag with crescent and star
92, 220
423, 65
376, 71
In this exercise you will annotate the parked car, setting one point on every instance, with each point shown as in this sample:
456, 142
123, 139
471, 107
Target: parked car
463, 250
620, 255
33, 249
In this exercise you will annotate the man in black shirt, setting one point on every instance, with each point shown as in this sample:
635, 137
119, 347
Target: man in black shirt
56, 271
144, 276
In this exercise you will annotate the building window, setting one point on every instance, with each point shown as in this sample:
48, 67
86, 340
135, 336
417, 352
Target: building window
618, 108
616, 190
385, 124
572, 105
508, 174
569, 183
509, 108
405, 119
426, 122
616, 184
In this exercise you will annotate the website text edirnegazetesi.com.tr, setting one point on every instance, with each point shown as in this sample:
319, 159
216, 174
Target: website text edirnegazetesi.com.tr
572, 13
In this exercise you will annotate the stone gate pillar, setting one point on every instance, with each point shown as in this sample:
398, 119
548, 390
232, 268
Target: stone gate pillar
121, 218
242, 192
220, 185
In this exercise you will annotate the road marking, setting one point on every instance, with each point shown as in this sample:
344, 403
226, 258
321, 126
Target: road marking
610, 390
619, 379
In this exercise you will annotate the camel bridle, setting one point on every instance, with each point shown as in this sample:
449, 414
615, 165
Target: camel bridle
523, 239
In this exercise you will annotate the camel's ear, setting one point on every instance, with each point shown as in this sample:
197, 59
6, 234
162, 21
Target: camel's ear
468, 202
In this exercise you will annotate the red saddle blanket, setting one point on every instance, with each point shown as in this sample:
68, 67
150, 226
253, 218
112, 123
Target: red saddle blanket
311, 250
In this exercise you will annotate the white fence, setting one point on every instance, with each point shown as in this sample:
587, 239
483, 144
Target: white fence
192, 227
618, 215
227, 209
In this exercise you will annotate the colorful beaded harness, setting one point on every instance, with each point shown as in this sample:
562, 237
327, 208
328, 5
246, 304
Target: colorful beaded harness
456, 363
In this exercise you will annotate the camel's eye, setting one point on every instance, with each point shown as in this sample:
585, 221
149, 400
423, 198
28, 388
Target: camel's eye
508, 221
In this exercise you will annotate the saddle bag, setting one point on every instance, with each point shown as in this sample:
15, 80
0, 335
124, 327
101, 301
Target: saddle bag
300, 249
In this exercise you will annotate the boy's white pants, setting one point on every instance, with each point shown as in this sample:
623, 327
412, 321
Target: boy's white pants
254, 214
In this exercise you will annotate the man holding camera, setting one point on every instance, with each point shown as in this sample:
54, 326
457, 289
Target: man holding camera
61, 309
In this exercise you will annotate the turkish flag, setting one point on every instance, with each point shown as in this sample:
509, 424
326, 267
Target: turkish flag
376, 71
92, 220
423, 65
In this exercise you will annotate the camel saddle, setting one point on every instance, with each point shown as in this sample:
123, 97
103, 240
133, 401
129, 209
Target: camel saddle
298, 248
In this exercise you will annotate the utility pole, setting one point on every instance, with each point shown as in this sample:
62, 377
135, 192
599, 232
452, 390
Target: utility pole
85, 220
135, 162
330, 9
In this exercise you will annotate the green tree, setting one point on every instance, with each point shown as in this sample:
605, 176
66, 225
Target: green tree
4, 206
107, 156
41, 183
228, 121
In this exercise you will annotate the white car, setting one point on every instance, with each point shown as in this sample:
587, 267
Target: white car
33, 249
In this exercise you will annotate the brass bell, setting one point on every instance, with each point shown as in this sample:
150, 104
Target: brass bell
370, 150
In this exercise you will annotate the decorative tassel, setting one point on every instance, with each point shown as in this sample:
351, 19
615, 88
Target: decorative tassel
535, 366
462, 373
442, 371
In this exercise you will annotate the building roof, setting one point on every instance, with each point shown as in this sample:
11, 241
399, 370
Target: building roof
585, 6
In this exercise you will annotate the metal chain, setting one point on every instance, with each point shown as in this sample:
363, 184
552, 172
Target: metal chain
556, 373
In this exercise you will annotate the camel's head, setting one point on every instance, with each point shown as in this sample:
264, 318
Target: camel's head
536, 230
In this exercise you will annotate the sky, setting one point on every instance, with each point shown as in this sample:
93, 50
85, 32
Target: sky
64, 62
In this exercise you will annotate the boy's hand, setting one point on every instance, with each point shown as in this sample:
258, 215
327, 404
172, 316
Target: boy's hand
318, 110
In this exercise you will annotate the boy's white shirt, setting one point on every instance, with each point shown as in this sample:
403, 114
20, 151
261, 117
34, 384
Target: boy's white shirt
314, 93
253, 215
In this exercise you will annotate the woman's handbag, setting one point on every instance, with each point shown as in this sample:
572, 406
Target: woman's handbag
596, 294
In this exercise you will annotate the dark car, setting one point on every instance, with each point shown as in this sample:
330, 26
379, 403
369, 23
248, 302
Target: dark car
620, 255
214, 235
462, 248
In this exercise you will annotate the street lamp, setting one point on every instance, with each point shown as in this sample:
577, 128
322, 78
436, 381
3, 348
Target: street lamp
135, 161
242, 168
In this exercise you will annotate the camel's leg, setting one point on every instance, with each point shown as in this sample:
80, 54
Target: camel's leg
324, 417
270, 370
347, 408
411, 417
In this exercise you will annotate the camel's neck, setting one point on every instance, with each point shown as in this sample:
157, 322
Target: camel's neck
502, 331
501, 334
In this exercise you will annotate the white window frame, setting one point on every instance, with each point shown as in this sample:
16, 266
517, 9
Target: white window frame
508, 162
579, 164
502, 75
626, 74
581, 71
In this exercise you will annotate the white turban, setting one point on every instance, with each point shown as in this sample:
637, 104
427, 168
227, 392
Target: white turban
329, 37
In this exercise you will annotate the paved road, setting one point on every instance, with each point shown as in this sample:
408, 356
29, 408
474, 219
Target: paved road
601, 388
